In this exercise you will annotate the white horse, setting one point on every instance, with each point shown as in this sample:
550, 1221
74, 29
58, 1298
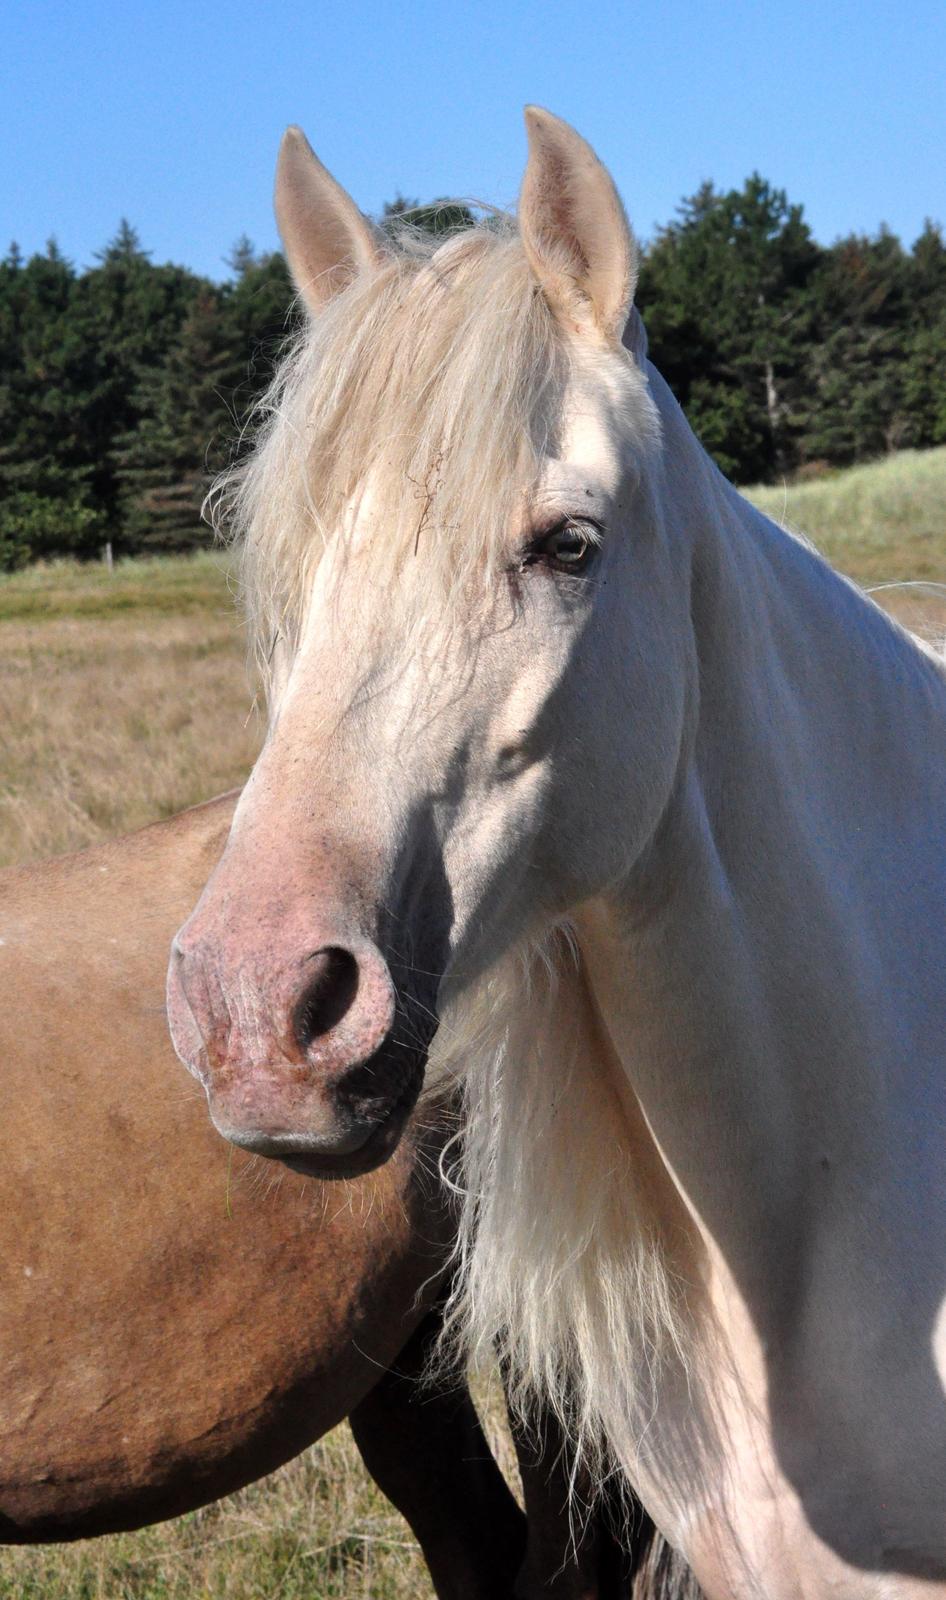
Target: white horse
575, 754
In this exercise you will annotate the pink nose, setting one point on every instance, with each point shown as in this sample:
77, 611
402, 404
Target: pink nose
329, 996
290, 1051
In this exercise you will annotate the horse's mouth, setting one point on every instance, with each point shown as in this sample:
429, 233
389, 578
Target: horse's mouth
381, 1141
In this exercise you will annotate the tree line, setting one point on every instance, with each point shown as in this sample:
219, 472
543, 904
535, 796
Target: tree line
124, 387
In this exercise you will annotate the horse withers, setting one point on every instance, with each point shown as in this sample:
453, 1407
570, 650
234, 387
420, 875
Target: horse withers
588, 784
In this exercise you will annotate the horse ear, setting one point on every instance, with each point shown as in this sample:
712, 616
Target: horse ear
326, 239
574, 229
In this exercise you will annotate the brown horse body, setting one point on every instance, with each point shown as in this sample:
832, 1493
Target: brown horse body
176, 1321
165, 1311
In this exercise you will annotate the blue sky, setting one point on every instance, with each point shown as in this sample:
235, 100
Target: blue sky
169, 111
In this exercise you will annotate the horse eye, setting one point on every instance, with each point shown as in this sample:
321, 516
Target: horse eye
568, 548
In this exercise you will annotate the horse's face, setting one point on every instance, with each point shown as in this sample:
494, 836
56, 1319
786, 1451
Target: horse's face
440, 781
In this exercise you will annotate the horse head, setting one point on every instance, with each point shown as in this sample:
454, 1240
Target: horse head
459, 584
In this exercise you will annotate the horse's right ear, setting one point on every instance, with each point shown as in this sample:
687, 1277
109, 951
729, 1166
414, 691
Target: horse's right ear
574, 230
326, 239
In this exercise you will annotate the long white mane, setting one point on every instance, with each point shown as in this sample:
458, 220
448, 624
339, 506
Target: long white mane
562, 1258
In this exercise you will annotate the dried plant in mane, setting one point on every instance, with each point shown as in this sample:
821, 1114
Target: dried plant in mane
424, 390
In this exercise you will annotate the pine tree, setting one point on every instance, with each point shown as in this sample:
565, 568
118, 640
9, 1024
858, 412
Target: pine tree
724, 293
242, 258
262, 314
128, 315
924, 365
856, 403
165, 463
46, 502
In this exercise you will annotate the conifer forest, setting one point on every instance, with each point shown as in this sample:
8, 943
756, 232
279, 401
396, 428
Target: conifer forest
126, 385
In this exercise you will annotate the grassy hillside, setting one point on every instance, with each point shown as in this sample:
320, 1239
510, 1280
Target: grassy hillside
880, 523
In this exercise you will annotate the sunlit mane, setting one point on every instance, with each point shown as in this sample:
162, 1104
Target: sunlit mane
562, 1262
427, 383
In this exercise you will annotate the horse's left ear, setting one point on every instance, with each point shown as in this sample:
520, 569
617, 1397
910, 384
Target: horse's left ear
574, 230
326, 239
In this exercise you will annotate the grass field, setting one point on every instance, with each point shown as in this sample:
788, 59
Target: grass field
880, 523
123, 698
317, 1530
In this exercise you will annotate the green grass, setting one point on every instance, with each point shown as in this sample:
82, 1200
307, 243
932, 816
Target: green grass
161, 585
884, 522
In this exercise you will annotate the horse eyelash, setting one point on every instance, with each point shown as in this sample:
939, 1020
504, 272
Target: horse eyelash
531, 552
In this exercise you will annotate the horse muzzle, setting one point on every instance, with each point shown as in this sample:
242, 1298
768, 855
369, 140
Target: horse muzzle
309, 1059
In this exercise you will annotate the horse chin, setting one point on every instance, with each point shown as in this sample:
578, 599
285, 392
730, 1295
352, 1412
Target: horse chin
379, 1146
378, 1122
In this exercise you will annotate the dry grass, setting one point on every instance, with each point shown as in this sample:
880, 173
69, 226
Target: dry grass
317, 1530
123, 699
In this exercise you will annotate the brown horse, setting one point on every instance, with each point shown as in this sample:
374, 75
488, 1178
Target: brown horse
175, 1323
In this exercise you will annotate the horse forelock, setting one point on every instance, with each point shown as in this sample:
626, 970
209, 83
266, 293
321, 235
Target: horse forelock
430, 389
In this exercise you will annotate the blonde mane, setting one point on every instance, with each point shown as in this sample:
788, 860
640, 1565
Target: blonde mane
428, 382
564, 1258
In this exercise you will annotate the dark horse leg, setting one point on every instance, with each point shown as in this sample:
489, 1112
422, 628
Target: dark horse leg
426, 1451
598, 1555
614, 1553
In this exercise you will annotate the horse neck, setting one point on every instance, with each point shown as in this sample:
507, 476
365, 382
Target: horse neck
773, 1020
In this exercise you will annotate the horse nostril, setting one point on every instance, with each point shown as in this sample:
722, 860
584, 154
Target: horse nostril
328, 995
